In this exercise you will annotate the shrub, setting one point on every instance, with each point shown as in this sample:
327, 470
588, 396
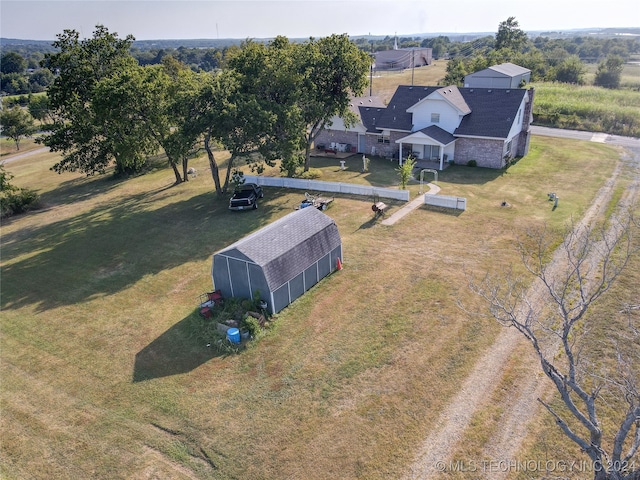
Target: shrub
251, 325
14, 200
311, 174
472, 163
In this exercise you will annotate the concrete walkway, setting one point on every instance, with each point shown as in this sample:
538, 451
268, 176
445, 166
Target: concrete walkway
410, 206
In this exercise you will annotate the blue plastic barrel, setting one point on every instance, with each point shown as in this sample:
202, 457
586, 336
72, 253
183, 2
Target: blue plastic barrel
233, 334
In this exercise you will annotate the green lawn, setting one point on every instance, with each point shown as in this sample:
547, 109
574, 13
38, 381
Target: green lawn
103, 376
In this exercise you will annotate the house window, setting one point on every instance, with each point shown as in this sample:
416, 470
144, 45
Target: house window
435, 118
383, 139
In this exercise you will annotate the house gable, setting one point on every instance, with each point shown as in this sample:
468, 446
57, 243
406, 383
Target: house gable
396, 115
444, 107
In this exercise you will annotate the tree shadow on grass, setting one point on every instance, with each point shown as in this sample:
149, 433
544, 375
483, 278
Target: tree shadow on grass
107, 249
178, 350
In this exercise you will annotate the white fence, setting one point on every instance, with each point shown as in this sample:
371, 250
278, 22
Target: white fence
457, 203
336, 187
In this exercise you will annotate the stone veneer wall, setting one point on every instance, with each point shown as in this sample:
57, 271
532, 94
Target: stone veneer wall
487, 153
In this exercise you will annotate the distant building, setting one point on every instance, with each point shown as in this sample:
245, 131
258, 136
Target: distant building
505, 75
401, 58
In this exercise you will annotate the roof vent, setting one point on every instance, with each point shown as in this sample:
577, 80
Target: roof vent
489, 91
508, 91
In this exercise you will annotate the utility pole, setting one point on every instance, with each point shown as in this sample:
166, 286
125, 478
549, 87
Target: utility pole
371, 69
413, 64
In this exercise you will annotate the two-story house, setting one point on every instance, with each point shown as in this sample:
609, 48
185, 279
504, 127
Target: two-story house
442, 124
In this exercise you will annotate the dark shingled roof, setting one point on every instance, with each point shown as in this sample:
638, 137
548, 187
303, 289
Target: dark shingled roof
370, 116
395, 116
492, 110
287, 246
438, 134
369, 109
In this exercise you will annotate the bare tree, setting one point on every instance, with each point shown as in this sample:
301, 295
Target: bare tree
551, 315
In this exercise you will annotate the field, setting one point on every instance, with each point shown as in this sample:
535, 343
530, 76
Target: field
103, 375
384, 83
588, 108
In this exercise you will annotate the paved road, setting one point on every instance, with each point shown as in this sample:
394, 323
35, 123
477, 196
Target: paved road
629, 142
18, 156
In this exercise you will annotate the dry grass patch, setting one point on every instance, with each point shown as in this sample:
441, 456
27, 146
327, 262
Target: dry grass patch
344, 386
385, 83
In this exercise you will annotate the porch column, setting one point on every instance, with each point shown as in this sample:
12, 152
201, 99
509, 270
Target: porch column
441, 158
400, 158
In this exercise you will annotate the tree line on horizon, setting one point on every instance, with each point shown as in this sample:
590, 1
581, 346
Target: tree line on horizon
550, 59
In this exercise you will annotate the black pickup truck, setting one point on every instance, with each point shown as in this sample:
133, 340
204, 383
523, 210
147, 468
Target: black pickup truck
246, 196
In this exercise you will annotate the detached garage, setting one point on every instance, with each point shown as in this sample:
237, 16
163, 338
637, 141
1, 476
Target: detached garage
281, 261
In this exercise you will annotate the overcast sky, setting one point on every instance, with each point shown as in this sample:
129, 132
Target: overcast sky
186, 19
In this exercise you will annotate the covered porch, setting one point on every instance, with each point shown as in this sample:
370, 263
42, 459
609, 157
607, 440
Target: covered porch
431, 145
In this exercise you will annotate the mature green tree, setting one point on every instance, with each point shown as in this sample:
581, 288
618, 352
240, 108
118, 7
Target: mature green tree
439, 45
456, 71
14, 83
143, 108
16, 123
269, 81
118, 99
220, 113
39, 107
12, 62
302, 86
335, 70
571, 70
40, 80
77, 131
510, 36
609, 72
226, 110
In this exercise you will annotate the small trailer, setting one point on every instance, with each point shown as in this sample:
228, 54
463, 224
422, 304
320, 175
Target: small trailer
321, 203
